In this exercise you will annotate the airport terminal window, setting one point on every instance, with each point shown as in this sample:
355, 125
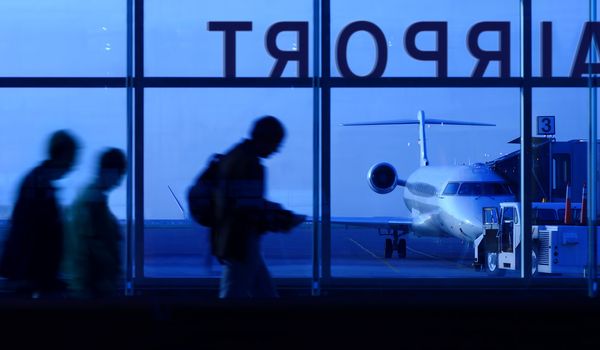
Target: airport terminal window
563, 22
63, 38
360, 251
561, 166
183, 128
183, 29
49, 44
369, 42
28, 116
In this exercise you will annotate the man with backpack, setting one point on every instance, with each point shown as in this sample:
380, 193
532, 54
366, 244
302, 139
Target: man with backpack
242, 214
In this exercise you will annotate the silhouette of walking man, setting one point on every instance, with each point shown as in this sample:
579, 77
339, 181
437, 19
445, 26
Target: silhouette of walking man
33, 249
94, 254
243, 215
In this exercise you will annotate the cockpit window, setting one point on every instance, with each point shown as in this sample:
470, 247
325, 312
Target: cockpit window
451, 188
495, 189
470, 189
484, 189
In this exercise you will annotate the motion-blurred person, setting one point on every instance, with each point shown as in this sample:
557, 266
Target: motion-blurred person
33, 249
243, 214
94, 253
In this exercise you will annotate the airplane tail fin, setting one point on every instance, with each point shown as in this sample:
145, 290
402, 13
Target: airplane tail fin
421, 121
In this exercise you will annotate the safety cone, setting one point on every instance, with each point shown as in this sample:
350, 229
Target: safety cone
583, 215
568, 215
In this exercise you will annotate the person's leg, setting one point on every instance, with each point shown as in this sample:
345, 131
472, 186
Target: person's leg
235, 281
263, 283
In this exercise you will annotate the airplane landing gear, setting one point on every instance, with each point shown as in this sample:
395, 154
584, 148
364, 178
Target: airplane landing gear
389, 248
396, 244
401, 248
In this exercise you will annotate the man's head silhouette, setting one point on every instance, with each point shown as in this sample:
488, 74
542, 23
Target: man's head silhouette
112, 167
62, 149
267, 134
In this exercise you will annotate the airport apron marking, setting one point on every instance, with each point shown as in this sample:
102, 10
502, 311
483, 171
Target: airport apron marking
373, 255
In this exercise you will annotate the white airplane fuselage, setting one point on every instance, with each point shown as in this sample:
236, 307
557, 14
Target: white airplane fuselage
440, 210
442, 200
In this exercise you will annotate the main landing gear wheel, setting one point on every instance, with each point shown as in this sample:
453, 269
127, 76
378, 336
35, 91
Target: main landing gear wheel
395, 244
389, 248
402, 248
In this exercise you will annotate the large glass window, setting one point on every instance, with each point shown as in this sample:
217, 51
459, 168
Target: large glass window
97, 117
183, 128
413, 38
203, 38
442, 228
557, 28
28, 116
404, 201
63, 38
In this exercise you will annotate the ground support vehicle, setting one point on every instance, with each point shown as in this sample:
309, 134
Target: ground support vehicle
556, 248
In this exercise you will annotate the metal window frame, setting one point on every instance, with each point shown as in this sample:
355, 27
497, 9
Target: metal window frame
322, 83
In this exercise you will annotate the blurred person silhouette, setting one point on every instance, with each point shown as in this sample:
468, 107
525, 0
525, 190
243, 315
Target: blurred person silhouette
33, 249
243, 215
93, 255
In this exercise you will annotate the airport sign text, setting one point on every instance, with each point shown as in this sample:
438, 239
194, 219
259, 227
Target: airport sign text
439, 55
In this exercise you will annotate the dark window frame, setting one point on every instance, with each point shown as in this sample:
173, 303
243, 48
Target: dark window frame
322, 83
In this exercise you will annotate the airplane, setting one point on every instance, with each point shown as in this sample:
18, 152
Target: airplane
444, 201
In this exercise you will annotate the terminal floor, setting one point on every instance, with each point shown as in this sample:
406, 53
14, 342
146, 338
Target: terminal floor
363, 319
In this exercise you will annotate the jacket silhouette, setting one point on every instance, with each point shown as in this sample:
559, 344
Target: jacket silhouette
94, 249
33, 250
243, 215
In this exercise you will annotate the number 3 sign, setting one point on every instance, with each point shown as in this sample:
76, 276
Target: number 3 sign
545, 125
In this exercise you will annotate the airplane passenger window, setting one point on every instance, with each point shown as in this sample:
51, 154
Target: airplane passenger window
451, 188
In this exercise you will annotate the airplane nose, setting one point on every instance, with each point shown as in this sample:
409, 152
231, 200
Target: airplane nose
468, 217
470, 226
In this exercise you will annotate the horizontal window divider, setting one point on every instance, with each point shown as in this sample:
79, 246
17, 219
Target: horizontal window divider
334, 82
416, 82
193, 82
63, 82
458, 82
562, 82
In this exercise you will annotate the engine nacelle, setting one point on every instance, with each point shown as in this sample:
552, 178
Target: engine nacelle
382, 178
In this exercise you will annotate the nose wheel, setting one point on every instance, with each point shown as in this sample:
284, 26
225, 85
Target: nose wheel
395, 244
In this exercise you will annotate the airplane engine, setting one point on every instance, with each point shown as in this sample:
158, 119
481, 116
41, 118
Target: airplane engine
382, 178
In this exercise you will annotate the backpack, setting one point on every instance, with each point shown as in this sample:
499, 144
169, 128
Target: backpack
200, 195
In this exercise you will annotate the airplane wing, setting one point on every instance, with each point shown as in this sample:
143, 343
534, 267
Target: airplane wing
379, 222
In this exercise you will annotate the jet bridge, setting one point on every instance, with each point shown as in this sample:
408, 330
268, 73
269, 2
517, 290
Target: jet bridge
555, 164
